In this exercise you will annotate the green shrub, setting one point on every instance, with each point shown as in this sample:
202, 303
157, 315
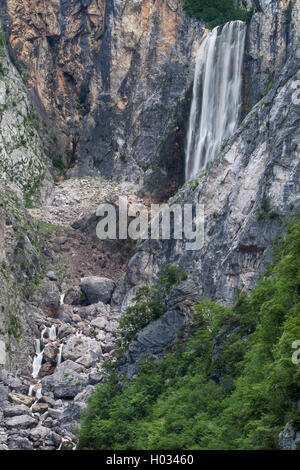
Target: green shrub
216, 12
58, 163
149, 304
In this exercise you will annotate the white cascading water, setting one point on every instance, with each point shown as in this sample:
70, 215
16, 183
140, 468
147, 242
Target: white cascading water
216, 100
52, 333
37, 360
59, 356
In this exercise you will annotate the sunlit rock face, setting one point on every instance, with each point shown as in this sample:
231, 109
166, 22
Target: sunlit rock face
113, 77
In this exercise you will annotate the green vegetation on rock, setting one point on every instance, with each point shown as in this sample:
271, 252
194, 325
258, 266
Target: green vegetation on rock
149, 304
231, 385
216, 12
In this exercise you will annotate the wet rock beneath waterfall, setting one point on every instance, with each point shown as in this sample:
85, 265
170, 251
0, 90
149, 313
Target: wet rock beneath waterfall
4, 391
65, 314
70, 366
46, 369
97, 289
19, 443
65, 330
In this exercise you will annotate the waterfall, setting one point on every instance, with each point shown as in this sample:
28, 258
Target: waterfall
216, 99
37, 360
59, 356
62, 299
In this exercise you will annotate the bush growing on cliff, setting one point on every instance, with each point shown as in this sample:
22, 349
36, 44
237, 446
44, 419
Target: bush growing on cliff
149, 304
216, 12
232, 385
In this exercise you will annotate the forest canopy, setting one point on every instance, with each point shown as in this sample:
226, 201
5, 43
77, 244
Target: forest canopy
216, 12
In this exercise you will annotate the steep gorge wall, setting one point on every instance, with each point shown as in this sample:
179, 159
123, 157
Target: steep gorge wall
113, 78
252, 188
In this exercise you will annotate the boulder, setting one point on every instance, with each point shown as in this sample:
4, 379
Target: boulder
95, 377
48, 400
46, 369
20, 422
49, 298
40, 408
19, 443
20, 399
15, 410
51, 352
97, 289
39, 433
90, 359
72, 296
65, 384
78, 346
52, 276
99, 323
64, 331
70, 366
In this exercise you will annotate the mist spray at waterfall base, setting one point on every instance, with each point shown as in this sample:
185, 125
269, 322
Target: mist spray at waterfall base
216, 99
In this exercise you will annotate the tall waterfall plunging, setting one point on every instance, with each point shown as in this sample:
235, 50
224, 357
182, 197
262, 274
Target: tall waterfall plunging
216, 100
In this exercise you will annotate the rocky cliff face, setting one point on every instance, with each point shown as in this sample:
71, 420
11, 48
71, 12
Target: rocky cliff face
249, 192
22, 156
113, 78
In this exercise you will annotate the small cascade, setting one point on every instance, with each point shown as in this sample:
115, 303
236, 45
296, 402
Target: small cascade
59, 356
43, 332
62, 299
39, 393
52, 333
37, 364
216, 102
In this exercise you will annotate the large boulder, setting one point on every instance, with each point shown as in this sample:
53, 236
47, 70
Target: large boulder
65, 384
20, 422
15, 410
97, 289
20, 399
78, 346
